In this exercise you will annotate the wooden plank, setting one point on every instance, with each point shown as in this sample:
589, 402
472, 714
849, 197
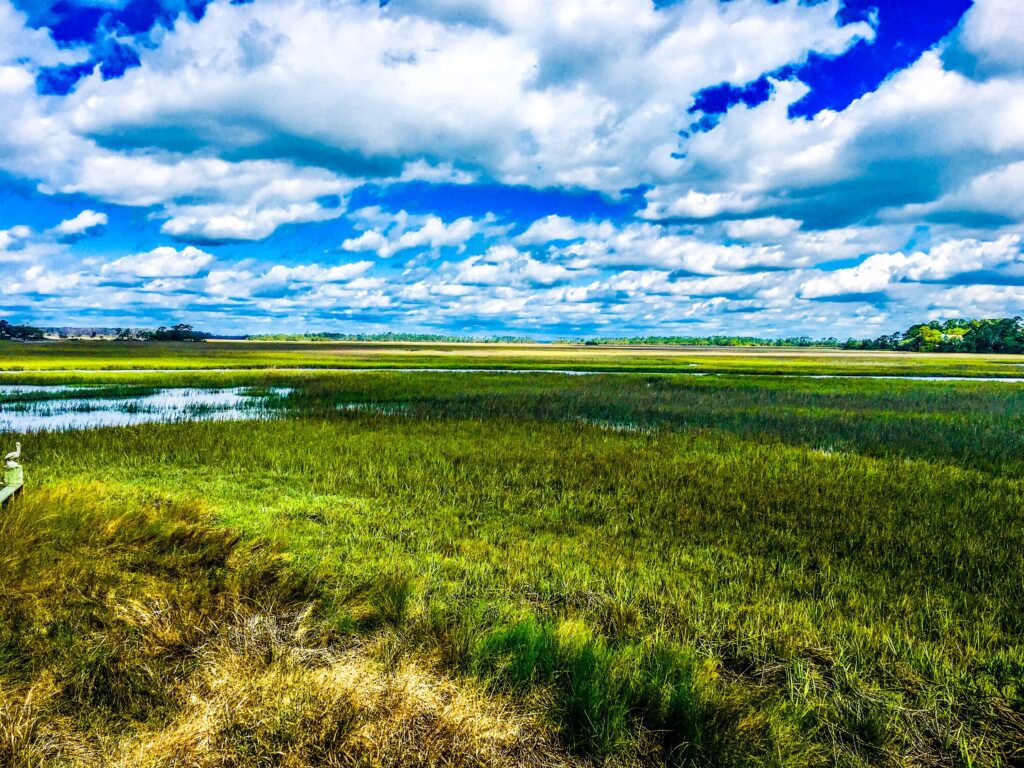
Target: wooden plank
7, 492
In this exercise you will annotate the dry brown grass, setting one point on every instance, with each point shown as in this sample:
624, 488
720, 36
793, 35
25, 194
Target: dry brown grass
284, 705
134, 636
262, 697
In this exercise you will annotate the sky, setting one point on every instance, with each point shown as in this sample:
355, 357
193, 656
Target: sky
549, 168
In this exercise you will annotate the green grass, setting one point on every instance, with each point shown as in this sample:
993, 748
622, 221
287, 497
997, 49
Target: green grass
722, 571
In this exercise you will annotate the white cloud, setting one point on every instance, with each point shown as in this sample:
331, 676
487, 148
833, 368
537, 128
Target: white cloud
164, 261
882, 271
19, 42
672, 202
992, 32
314, 273
527, 291
768, 228
925, 132
246, 199
551, 228
961, 257
306, 286
86, 222
529, 95
873, 275
14, 80
639, 245
14, 236
436, 234
401, 231
504, 265
998, 192
223, 222
38, 279
369, 240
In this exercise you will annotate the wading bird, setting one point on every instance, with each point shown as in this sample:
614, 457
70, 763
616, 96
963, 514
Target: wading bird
12, 458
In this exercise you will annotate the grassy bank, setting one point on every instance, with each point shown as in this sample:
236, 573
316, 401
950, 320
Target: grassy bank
612, 569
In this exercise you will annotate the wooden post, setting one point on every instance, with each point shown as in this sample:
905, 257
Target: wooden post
14, 478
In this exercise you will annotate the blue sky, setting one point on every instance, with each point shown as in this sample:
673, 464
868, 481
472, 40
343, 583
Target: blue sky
568, 167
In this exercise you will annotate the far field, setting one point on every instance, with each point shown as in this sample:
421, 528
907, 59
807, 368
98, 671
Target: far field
430, 568
100, 355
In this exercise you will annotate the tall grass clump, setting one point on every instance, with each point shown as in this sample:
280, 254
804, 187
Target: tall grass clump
605, 694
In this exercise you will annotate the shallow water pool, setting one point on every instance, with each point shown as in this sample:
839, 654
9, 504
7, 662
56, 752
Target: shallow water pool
26, 408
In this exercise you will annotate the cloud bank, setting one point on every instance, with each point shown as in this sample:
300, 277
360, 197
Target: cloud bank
329, 163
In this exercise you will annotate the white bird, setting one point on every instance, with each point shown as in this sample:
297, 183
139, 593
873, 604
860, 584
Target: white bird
14, 455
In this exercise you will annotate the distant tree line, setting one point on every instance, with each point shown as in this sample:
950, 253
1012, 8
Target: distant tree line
712, 341
179, 332
1004, 335
998, 335
390, 336
21, 332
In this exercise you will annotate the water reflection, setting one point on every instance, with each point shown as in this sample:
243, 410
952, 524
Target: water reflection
26, 408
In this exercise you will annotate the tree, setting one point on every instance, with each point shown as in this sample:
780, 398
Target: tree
1001, 335
179, 332
21, 332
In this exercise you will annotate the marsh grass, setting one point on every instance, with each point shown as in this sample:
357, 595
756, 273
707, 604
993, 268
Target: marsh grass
110, 391
806, 573
972, 424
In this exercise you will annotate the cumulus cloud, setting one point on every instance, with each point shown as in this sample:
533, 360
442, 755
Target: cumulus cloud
19, 42
38, 279
941, 263
225, 222
299, 292
504, 265
554, 227
86, 223
523, 94
13, 237
997, 193
396, 232
164, 261
642, 244
314, 273
767, 228
246, 200
674, 201
202, 196
924, 135
528, 290
991, 35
